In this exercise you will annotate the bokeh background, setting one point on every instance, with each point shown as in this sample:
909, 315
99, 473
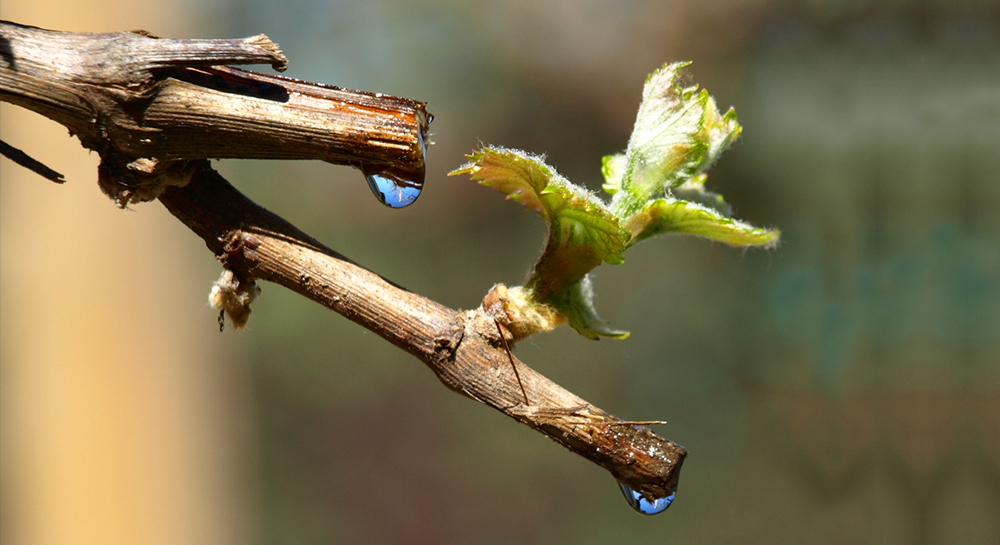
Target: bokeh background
843, 388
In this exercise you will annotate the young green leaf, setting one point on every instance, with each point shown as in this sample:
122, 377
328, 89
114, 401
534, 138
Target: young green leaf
657, 187
577, 304
613, 168
694, 190
582, 233
678, 134
670, 215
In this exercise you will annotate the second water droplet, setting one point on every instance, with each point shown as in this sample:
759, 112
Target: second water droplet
644, 506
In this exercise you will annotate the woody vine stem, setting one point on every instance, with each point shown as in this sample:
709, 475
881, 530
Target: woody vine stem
156, 109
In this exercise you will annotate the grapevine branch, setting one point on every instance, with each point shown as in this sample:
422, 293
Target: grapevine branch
156, 110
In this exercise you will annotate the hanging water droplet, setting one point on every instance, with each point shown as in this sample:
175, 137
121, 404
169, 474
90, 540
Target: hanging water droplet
644, 506
396, 187
393, 189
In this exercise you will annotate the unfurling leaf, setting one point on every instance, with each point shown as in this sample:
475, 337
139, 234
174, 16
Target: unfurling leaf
657, 187
694, 190
579, 309
678, 134
582, 232
669, 215
613, 167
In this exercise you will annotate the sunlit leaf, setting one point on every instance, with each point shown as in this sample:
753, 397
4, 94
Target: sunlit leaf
657, 187
613, 168
579, 223
582, 233
678, 134
694, 190
669, 215
578, 306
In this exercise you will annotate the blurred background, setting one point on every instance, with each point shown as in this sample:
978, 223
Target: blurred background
843, 388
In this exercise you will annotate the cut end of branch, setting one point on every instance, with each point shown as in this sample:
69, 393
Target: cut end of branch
278, 60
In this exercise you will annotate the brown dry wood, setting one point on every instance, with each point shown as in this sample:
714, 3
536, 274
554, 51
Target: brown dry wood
103, 87
143, 96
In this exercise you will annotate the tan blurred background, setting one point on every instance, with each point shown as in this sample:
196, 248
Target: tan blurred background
844, 388
116, 413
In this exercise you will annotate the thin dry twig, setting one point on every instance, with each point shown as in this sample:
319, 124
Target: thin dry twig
29, 163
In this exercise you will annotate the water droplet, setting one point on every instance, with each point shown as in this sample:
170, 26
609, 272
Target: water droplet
644, 506
396, 187
393, 189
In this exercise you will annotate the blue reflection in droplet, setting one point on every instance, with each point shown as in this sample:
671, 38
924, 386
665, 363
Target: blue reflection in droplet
644, 506
397, 187
393, 190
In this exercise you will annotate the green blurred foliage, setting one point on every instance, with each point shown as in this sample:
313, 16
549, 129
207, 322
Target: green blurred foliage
844, 388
